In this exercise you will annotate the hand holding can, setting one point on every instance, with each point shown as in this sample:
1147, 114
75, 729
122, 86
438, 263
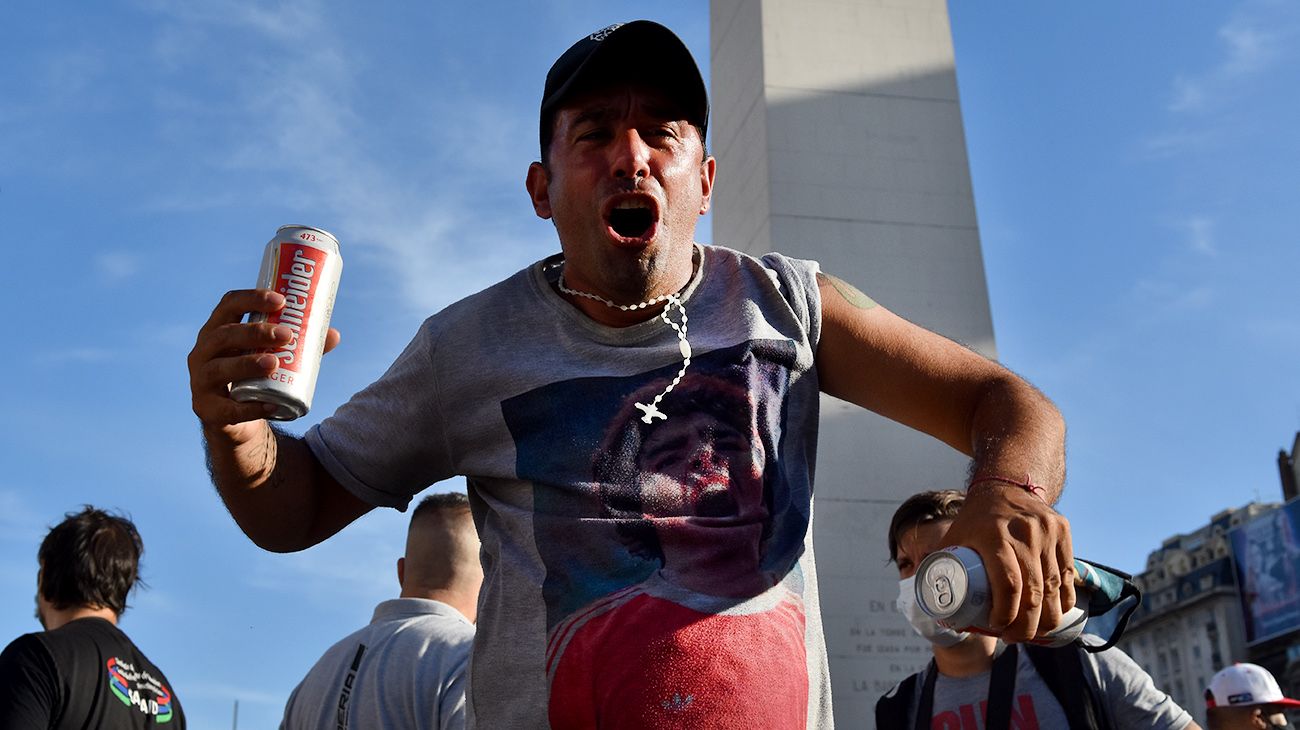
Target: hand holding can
302, 264
953, 588
228, 349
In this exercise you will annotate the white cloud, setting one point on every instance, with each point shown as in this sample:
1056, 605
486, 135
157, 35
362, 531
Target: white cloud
1188, 94
1170, 143
190, 202
300, 116
116, 266
1275, 331
1249, 49
73, 74
155, 601
1255, 40
18, 520
151, 336
1200, 235
75, 356
1161, 299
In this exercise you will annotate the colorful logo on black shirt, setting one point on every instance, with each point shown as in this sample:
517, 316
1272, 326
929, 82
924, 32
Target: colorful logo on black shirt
139, 689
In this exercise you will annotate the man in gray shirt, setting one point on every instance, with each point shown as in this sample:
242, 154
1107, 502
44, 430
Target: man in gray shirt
637, 541
407, 669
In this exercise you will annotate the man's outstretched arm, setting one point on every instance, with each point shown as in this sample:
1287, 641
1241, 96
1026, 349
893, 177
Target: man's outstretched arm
875, 359
272, 484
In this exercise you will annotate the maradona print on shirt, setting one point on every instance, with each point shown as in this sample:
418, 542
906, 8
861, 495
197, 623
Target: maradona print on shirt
672, 589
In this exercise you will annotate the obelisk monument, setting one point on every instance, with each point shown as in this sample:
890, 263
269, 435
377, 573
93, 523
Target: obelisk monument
839, 137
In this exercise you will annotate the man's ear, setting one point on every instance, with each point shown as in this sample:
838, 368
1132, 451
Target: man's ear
401, 572
708, 170
538, 183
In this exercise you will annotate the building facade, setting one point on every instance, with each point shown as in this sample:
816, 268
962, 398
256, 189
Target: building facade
1190, 623
1289, 469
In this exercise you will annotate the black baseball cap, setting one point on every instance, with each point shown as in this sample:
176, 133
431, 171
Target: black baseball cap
640, 51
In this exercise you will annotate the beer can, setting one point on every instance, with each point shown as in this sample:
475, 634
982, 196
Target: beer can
952, 587
303, 264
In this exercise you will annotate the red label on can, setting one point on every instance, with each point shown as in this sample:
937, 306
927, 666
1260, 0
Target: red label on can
296, 278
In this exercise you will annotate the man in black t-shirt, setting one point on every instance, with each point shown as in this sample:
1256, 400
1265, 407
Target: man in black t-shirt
82, 671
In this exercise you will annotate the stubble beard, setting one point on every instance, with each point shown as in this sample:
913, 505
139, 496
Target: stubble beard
653, 271
665, 267
628, 275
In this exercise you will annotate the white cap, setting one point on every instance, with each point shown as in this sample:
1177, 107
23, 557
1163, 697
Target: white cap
1245, 684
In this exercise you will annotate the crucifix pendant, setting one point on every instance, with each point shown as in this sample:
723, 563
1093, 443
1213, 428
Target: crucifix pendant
651, 413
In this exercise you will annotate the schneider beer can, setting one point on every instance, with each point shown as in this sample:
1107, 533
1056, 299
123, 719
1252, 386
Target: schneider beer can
952, 587
304, 265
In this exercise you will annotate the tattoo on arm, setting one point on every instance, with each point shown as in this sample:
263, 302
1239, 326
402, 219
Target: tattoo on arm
850, 293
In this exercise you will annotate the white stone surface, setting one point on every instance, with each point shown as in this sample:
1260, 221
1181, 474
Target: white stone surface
839, 138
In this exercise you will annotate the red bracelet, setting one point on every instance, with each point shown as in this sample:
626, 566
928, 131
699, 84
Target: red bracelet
1027, 485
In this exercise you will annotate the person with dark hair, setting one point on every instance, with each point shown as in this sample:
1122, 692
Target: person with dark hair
407, 668
522, 387
975, 679
82, 671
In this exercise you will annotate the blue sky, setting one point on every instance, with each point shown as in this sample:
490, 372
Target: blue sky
1134, 168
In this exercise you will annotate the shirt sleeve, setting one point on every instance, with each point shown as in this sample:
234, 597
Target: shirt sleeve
388, 443
451, 705
287, 720
29, 693
1131, 697
798, 281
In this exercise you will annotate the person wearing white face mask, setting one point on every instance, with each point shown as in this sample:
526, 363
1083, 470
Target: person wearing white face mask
978, 681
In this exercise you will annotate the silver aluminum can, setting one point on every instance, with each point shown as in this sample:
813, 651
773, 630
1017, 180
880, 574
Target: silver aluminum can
304, 265
952, 587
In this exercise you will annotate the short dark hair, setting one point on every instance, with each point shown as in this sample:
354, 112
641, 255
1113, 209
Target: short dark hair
443, 501
92, 558
918, 509
638, 52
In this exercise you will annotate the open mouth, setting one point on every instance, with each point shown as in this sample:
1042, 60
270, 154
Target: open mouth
631, 222
633, 218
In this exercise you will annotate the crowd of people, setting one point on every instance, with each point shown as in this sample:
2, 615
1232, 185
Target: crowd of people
408, 669
635, 549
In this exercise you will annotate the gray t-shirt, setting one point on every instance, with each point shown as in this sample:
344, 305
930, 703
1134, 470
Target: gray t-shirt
406, 669
646, 574
1127, 694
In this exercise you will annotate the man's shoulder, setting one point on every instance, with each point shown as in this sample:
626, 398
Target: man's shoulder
718, 253
1112, 661
484, 305
774, 281
511, 288
24, 649
409, 628
894, 708
1115, 670
83, 632
443, 627
904, 688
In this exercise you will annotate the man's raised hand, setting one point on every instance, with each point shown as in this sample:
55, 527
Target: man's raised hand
228, 350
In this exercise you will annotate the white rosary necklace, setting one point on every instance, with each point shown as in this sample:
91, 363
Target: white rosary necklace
650, 411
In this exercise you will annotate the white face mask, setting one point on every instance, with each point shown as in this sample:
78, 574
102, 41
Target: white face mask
927, 627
